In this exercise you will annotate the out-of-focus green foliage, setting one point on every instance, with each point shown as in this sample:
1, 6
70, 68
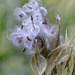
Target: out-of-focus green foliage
14, 62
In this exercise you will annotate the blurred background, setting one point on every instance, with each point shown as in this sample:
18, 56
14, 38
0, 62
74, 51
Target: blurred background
12, 60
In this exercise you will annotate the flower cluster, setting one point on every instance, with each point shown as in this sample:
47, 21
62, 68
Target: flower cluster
37, 37
33, 25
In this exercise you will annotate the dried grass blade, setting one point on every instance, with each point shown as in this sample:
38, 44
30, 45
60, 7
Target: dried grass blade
55, 55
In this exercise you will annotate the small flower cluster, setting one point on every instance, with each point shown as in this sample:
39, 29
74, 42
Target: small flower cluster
33, 24
37, 37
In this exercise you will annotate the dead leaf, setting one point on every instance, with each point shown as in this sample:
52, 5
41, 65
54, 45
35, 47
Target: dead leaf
64, 58
38, 64
54, 56
73, 72
67, 64
59, 69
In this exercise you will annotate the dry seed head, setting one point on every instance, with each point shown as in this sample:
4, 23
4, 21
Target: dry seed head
32, 16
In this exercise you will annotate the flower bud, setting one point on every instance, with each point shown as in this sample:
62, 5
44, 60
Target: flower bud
57, 17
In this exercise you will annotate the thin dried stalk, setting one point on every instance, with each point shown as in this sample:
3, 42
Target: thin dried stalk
54, 57
67, 64
73, 73
54, 71
59, 69
66, 40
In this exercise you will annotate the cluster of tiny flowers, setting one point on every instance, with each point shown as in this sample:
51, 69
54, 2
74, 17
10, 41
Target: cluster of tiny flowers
33, 23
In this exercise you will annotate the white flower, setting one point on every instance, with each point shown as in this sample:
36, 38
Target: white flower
27, 22
31, 6
37, 17
35, 30
20, 14
33, 24
43, 11
34, 3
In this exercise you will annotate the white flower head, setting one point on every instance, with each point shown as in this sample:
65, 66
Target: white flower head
43, 11
37, 17
35, 30
20, 14
34, 26
34, 3
27, 22
31, 6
